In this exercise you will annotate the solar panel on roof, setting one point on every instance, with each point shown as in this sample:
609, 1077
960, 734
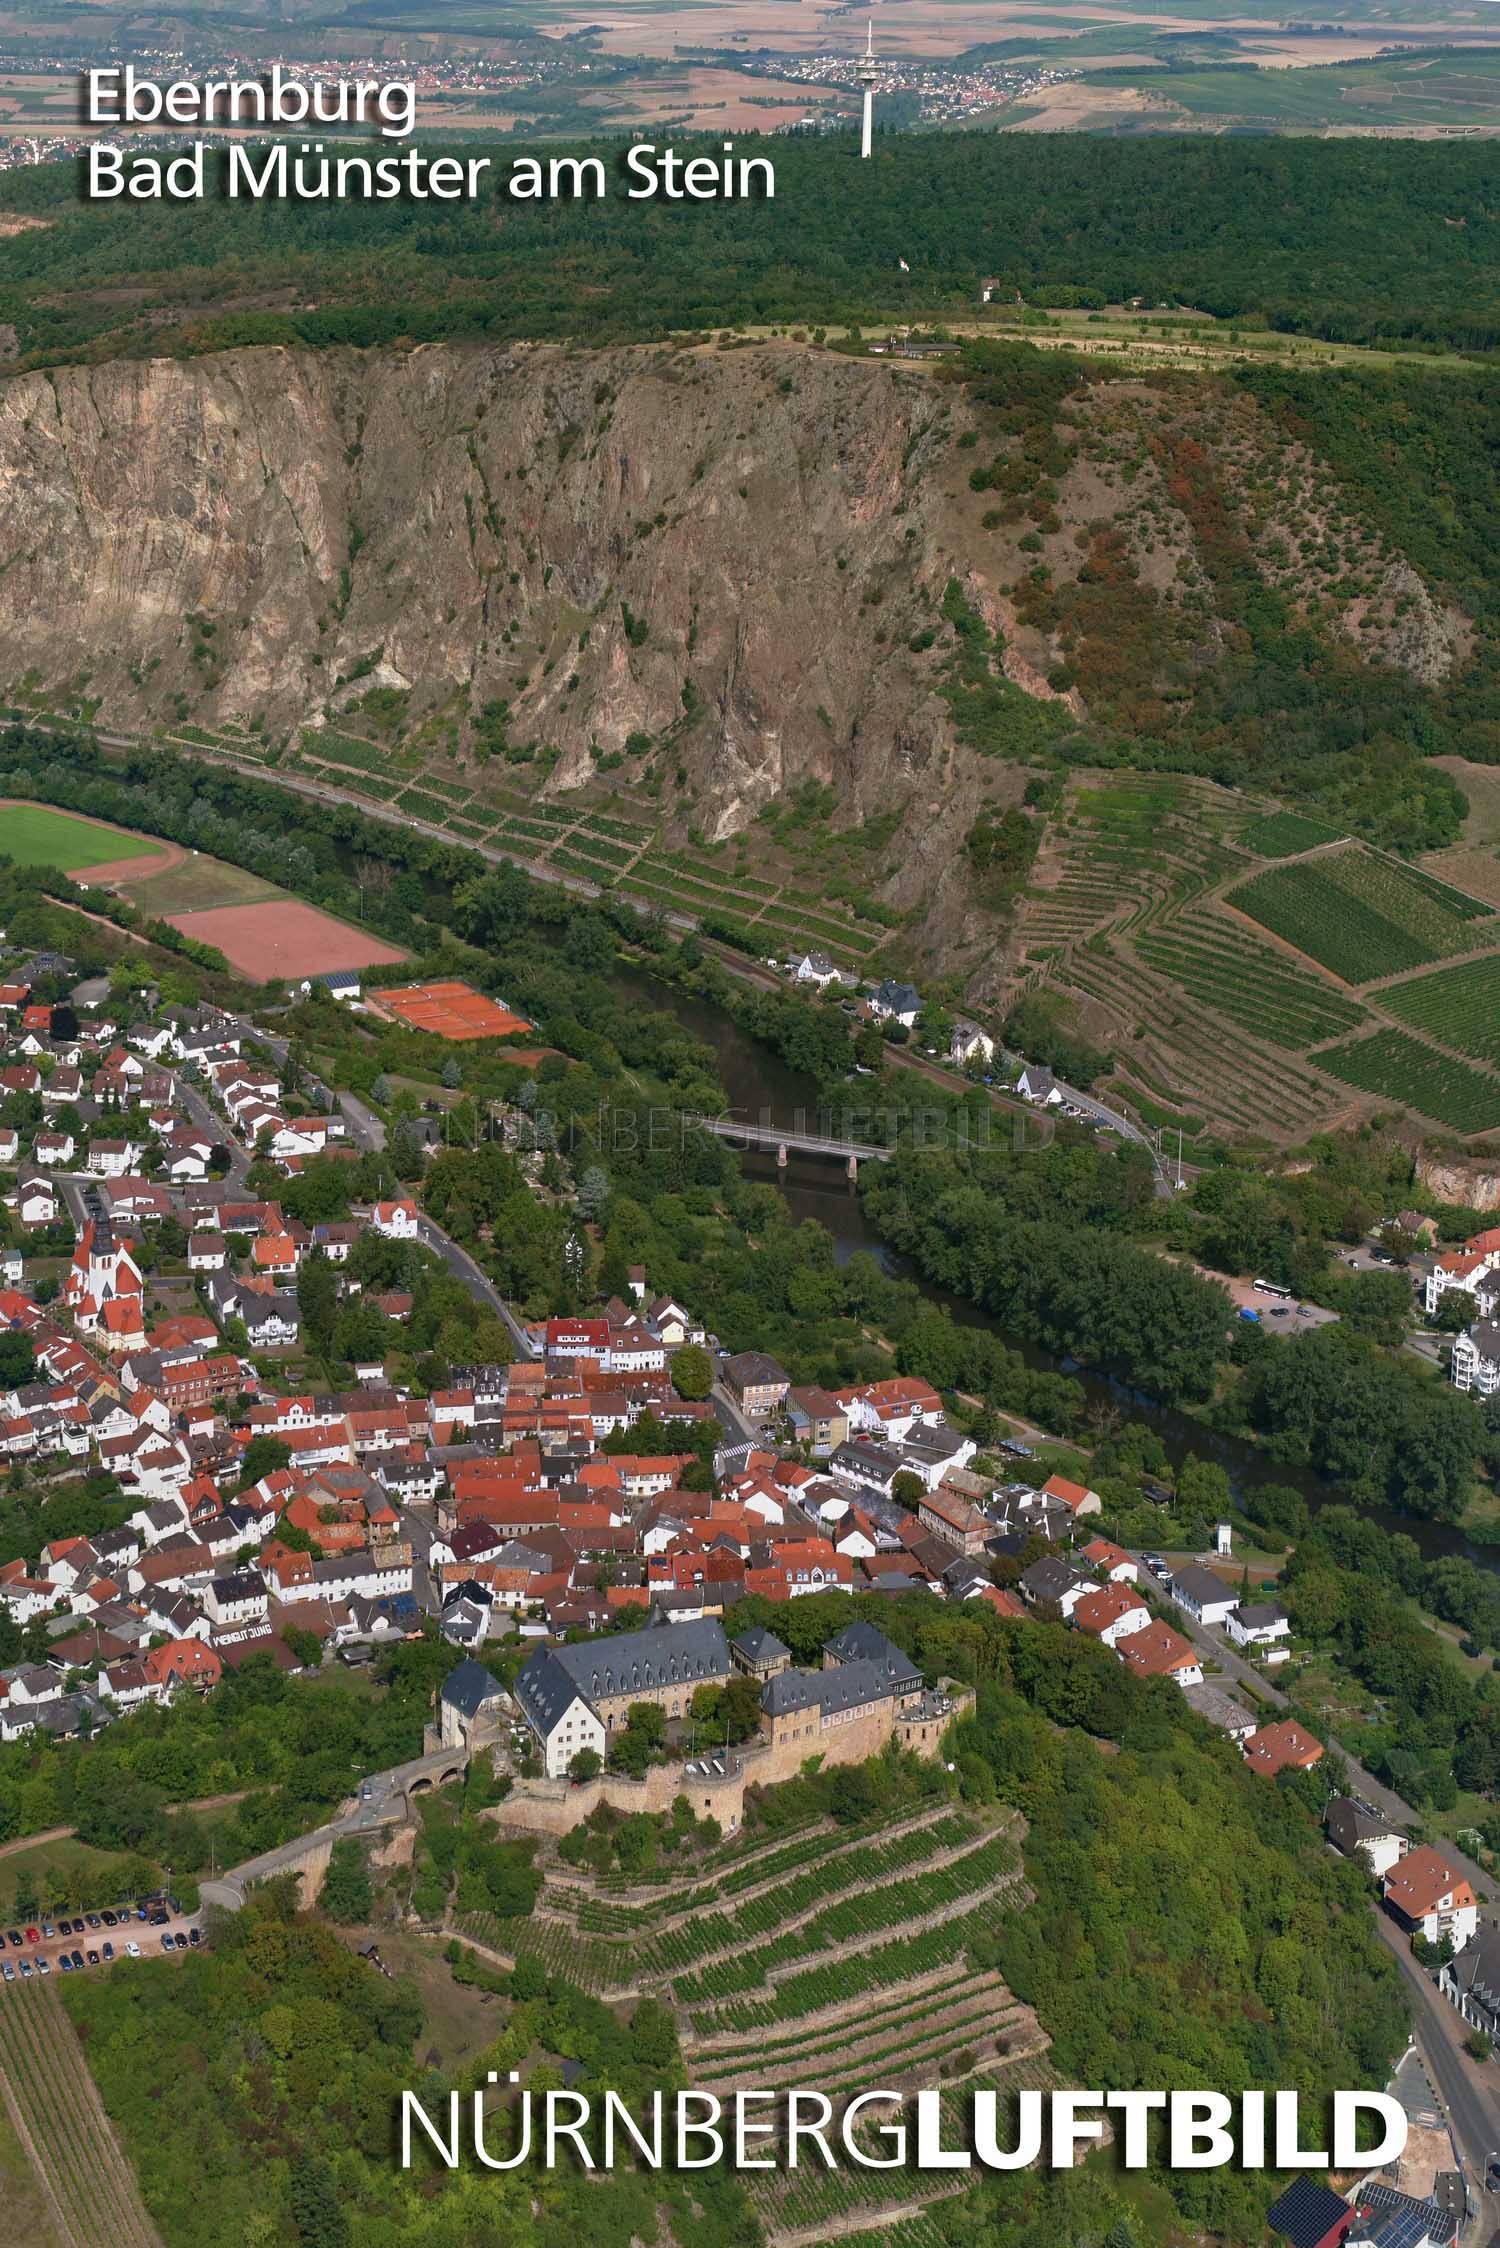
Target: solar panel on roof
1398, 2220
1306, 2213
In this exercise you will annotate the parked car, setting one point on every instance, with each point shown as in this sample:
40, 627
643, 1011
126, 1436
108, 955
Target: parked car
7, 1970
93, 1959
43, 1967
65, 1964
27, 1969
134, 1950
14, 1938
33, 1935
108, 1918
166, 1941
109, 1951
195, 1935
77, 1958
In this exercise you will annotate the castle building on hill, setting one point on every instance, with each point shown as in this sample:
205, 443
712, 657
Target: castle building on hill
866, 1693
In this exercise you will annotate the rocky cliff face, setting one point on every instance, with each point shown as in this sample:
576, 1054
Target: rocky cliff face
605, 541
731, 552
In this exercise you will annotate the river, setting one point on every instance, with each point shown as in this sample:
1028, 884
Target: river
763, 1089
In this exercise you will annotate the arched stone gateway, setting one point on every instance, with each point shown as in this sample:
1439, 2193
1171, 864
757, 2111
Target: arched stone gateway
384, 1801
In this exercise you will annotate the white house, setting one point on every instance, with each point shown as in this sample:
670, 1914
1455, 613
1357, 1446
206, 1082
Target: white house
236, 1599
113, 1159
1110, 1613
36, 1202
896, 1002
562, 1719
1476, 1359
815, 968
1472, 1270
1431, 1897
1204, 1596
970, 1044
1038, 1085
397, 1220
1356, 1826
1263, 1624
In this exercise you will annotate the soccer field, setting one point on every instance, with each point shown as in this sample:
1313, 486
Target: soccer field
35, 835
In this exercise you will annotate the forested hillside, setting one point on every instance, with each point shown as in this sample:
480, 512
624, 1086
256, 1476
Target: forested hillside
1350, 239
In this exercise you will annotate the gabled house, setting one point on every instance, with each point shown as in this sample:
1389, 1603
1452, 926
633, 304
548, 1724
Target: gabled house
1263, 1625
1038, 1085
1204, 1596
1156, 1651
1051, 1583
1471, 1981
1283, 1747
1111, 1613
969, 1046
1355, 1826
896, 1002
1431, 1897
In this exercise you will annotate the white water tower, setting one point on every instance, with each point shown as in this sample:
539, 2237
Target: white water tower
867, 76
1223, 1544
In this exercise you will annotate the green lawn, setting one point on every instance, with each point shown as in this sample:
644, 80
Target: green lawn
34, 835
62, 1873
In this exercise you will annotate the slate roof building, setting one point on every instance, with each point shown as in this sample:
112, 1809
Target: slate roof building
471, 1694
664, 1664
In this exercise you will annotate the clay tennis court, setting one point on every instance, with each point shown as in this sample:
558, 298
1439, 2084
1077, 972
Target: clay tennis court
449, 1010
282, 938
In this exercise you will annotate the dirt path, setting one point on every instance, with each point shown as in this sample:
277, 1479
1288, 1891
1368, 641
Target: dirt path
110, 872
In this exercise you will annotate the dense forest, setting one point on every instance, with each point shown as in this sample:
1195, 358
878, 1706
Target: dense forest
1351, 239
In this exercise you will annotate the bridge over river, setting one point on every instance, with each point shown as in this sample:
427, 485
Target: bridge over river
384, 1800
785, 1143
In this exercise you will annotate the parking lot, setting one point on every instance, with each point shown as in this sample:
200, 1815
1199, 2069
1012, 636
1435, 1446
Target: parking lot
98, 1939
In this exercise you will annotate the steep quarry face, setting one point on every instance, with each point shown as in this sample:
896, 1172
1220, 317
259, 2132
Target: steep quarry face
740, 554
608, 542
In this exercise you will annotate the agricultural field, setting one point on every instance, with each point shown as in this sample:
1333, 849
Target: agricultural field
35, 835
1285, 835
51, 2103
611, 835
1397, 1067
1248, 982
1363, 916
1122, 852
830, 1957
1140, 914
1459, 1006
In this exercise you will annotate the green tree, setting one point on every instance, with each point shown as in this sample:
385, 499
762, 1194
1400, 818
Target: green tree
346, 1894
692, 1371
317, 2210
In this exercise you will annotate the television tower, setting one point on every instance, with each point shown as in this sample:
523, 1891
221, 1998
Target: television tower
867, 76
